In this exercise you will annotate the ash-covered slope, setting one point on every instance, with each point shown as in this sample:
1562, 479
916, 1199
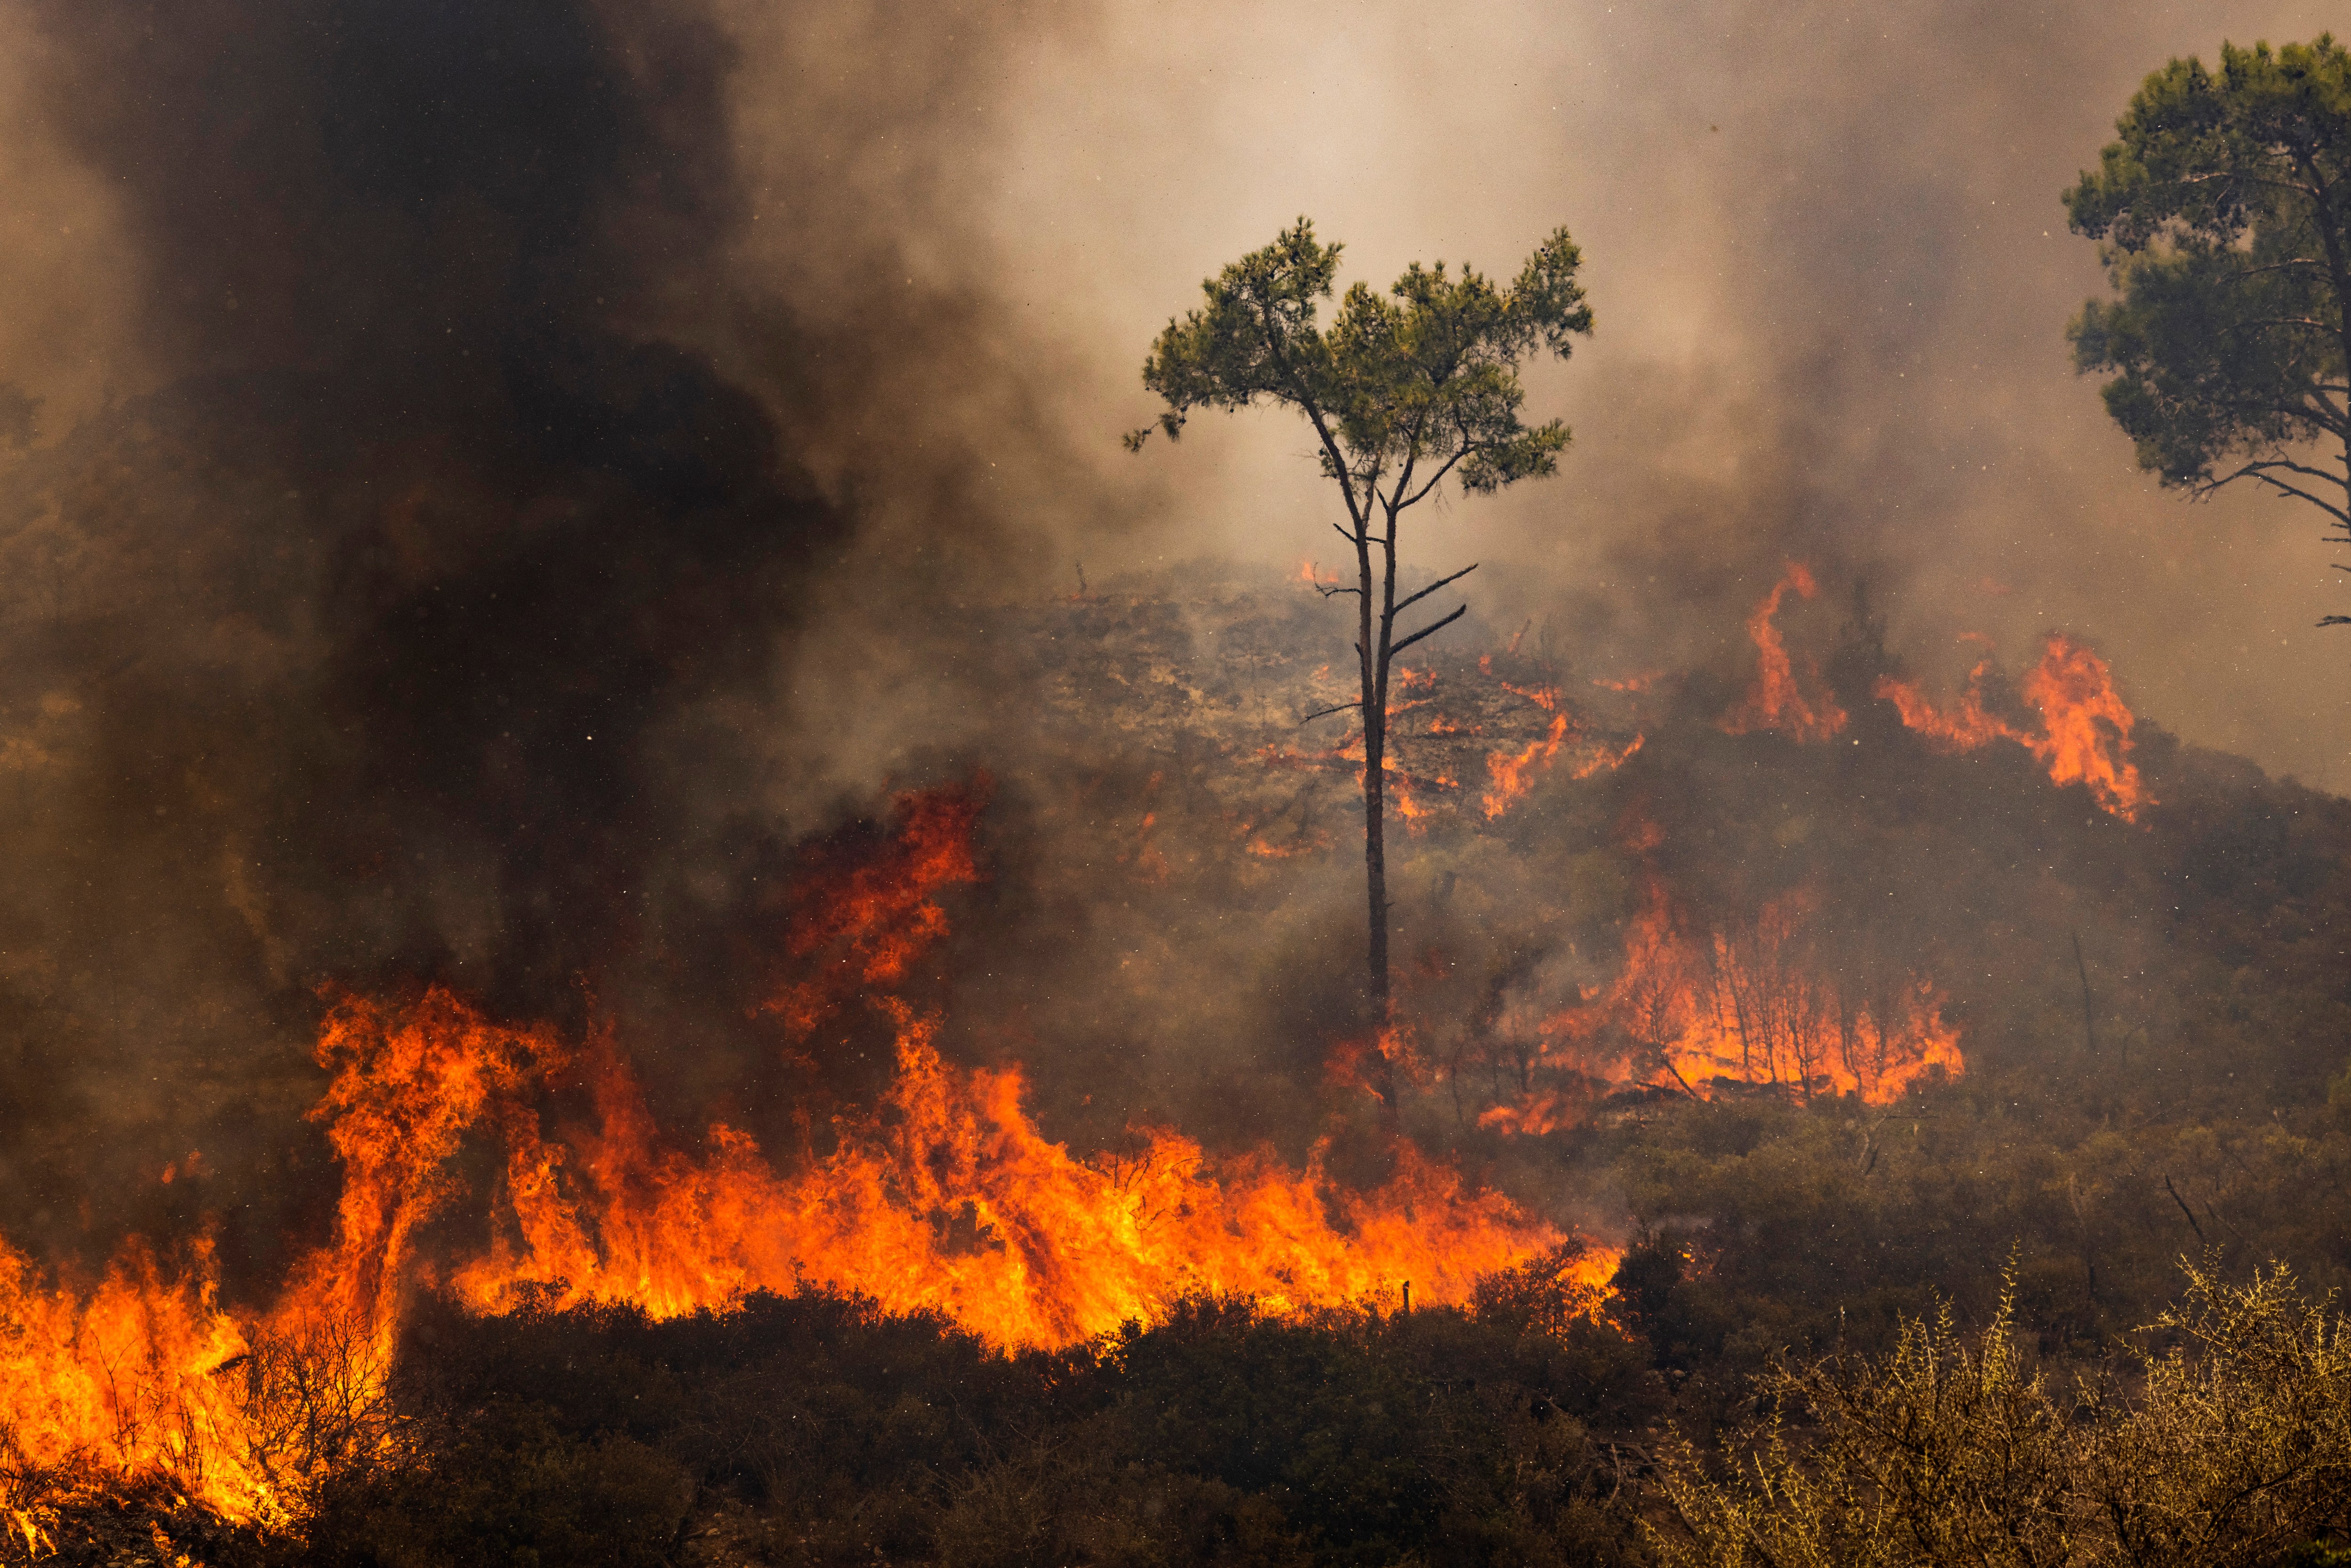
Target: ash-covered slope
1200, 840
2113, 1004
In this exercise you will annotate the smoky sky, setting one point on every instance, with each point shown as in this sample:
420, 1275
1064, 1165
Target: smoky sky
478, 481
1831, 276
413, 445
386, 253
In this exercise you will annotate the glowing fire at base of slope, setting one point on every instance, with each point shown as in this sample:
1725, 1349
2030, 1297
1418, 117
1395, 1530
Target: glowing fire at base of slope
126, 1374
949, 1200
946, 1198
2085, 727
1749, 1007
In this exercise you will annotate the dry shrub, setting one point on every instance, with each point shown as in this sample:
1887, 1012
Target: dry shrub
2231, 1446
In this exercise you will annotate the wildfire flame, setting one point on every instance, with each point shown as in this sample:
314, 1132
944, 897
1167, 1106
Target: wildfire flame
944, 1196
1962, 729
1747, 1007
864, 917
1692, 1011
1513, 772
2085, 728
1777, 700
949, 1198
125, 1374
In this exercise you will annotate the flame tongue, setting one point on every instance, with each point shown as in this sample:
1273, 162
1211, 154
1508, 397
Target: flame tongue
1778, 699
947, 1196
946, 1200
1692, 1010
1963, 728
125, 1376
2085, 728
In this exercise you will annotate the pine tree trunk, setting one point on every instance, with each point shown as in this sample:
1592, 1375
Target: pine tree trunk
1373, 646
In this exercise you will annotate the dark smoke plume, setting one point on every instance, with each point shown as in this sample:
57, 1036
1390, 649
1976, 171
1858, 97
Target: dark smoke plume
379, 626
485, 482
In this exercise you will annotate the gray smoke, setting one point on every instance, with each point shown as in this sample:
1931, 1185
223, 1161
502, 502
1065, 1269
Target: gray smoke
483, 481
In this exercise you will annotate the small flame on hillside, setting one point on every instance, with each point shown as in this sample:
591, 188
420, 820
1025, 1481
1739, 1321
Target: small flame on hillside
1746, 1006
1513, 772
2086, 727
2084, 734
1778, 700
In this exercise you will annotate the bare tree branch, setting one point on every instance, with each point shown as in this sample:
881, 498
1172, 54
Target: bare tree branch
1428, 630
2190, 1213
2258, 472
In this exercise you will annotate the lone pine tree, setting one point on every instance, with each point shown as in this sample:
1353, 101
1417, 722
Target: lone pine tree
1403, 393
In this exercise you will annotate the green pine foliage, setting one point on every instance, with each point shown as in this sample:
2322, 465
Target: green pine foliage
2225, 223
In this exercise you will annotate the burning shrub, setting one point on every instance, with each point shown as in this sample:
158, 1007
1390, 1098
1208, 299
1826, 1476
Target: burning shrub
1550, 1294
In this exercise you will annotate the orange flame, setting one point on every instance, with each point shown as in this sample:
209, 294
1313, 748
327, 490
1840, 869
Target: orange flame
1545, 1112
1265, 849
866, 917
1748, 1009
1609, 759
1777, 700
1400, 796
127, 1375
132, 1375
1513, 773
2085, 728
946, 1195
949, 1198
1745, 1007
1963, 729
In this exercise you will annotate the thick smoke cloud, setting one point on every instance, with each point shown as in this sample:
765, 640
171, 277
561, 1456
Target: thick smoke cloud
491, 391
481, 481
